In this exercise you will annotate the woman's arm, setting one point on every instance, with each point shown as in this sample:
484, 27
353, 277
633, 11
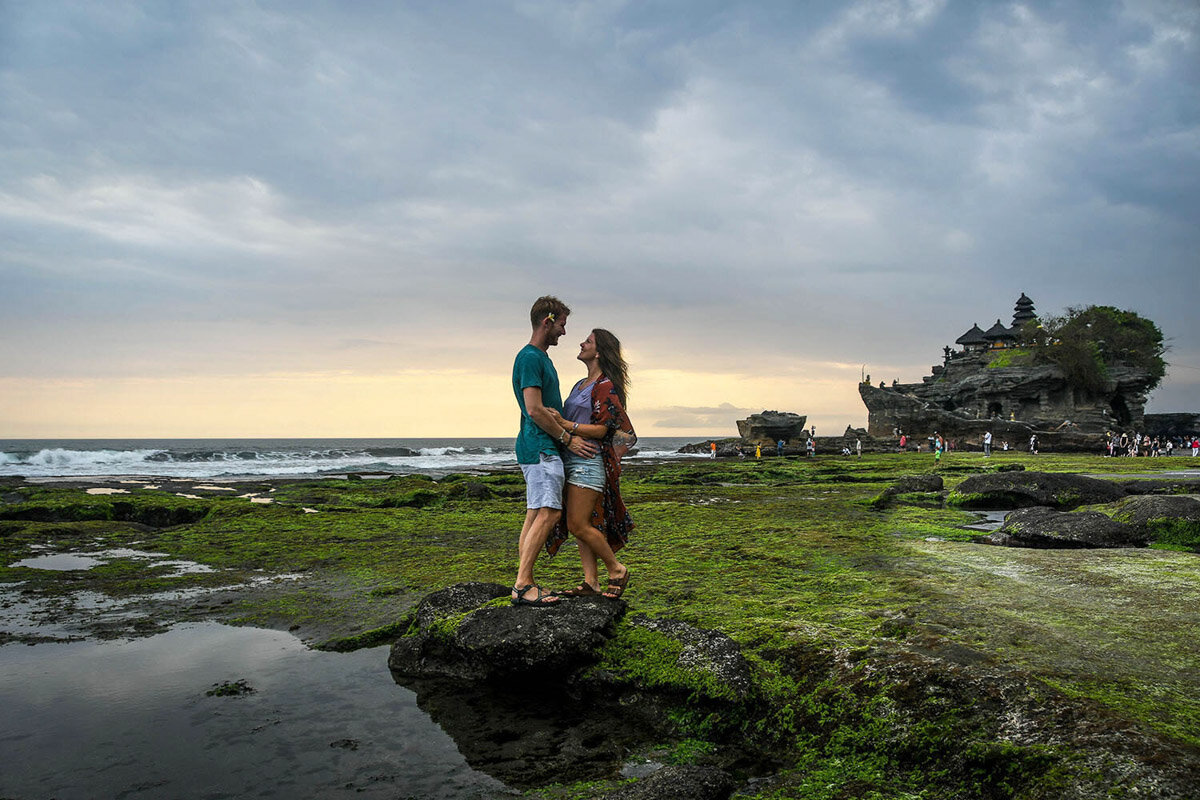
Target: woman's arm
548, 419
585, 429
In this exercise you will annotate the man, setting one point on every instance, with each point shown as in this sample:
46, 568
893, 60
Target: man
535, 385
987, 443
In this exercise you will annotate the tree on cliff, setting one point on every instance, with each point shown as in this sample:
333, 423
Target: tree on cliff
1086, 342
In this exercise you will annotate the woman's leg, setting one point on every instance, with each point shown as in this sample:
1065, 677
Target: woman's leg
592, 543
591, 573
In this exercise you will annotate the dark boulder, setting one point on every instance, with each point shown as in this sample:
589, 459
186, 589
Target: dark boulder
679, 782
927, 484
460, 636
1024, 489
1046, 528
470, 490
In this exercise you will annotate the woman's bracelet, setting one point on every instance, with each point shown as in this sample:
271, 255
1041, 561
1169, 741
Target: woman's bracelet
575, 427
564, 437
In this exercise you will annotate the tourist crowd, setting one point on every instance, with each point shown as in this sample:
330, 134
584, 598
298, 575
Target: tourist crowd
1135, 444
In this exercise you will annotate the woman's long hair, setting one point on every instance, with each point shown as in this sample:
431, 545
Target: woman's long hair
612, 363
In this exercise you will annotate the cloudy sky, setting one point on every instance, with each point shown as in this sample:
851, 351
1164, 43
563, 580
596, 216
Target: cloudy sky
330, 219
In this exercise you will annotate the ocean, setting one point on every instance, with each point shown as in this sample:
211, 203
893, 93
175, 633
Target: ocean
258, 458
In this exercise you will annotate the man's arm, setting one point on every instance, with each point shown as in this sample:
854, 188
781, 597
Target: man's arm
546, 421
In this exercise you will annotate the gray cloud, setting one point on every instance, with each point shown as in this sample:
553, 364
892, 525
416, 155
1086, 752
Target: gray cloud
719, 417
739, 184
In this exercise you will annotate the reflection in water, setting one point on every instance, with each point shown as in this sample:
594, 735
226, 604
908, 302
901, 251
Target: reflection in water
89, 719
526, 737
988, 521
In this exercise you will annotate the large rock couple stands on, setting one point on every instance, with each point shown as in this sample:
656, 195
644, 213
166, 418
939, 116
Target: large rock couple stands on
525, 697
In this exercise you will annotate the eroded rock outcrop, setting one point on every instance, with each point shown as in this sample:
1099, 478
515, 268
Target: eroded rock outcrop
1005, 382
769, 427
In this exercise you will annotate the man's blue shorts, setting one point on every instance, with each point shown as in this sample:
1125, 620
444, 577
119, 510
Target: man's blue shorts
544, 482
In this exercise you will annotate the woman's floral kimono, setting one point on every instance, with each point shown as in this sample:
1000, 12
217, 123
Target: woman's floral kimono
609, 515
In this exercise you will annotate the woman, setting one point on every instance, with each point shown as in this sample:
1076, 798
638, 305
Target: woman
595, 515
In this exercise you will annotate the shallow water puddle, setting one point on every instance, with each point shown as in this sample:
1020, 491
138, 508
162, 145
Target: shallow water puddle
106, 490
85, 561
60, 561
988, 521
133, 719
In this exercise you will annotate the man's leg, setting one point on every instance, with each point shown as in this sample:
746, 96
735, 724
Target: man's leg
538, 524
543, 495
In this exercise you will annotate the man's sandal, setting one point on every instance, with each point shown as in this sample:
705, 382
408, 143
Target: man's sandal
616, 586
542, 599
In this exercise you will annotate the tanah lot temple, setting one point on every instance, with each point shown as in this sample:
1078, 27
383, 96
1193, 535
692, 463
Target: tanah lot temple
990, 383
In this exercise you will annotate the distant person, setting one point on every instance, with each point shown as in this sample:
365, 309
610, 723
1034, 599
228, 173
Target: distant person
939, 444
1033, 444
712, 450
595, 513
1195, 446
810, 447
903, 442
858, 447
535, 385
1006, 445
987, 443
779, 448
758, 451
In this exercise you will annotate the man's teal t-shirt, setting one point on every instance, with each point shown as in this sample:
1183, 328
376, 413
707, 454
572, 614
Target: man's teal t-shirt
534, 368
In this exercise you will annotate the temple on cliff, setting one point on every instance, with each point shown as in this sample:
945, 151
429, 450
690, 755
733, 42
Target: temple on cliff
993, 383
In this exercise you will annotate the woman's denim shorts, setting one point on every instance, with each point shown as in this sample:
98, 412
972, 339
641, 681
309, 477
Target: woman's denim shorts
585, 472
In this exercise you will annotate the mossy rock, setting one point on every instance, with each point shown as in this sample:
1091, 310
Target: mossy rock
1169, 521
1002, 490
157, 512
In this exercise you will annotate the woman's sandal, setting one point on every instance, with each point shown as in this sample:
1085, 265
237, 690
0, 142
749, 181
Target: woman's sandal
542, 599
582, 590
616, 586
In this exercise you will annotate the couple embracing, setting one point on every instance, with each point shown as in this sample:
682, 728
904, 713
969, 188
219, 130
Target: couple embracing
570, 453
